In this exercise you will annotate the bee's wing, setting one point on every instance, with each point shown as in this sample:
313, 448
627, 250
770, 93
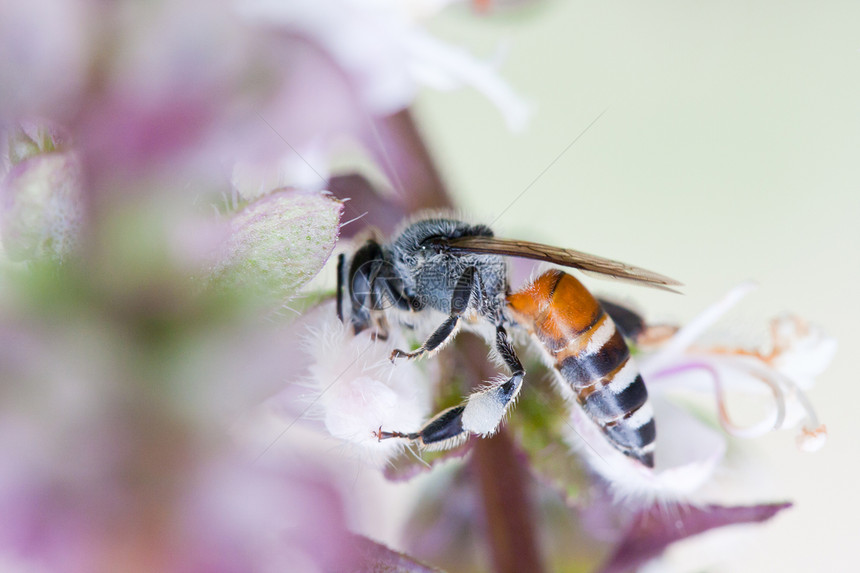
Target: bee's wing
557, 255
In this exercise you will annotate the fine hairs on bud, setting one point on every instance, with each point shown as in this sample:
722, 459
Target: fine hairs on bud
357, 390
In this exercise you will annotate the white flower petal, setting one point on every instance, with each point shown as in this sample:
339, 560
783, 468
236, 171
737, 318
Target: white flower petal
798, 353
386, 51
805, 351
446, 67
357, 390
686, 455
682, 339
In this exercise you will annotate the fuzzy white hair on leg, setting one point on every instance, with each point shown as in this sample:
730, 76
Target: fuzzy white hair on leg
484, 411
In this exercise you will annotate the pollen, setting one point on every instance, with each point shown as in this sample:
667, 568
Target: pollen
812, 440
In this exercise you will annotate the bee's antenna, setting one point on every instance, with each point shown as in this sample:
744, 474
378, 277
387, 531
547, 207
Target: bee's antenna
340, 260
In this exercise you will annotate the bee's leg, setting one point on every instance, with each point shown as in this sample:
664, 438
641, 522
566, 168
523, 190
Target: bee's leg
380, 331
361, 278
486, 408
392, 288
340, 261
481, 414
441, 335
463, 293
444, 431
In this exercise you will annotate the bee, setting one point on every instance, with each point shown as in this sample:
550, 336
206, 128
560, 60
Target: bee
458, 269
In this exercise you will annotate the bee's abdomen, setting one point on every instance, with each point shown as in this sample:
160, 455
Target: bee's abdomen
590, 355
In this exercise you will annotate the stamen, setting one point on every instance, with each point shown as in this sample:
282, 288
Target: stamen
772, 421
812, 440
813, 434
772, 380
685, 337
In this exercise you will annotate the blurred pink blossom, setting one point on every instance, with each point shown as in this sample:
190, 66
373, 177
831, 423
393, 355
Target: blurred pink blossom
41, 210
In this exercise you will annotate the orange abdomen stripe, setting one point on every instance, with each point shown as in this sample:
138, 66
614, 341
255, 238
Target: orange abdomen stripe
590, 355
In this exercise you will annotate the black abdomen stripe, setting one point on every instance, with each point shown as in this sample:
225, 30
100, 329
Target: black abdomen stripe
608, 386
628, 437
584, 370
605, 406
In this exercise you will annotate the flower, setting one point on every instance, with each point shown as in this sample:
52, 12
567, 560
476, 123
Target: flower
354, 388
41, 214
347, 64
388, 53
688, 452
786, 366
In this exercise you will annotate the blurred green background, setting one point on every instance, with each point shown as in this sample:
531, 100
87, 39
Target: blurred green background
728, 151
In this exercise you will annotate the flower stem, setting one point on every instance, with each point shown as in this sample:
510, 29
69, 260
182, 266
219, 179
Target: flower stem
396, 143
510, 525
500, 474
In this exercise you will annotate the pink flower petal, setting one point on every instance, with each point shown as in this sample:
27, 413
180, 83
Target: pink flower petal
654, 529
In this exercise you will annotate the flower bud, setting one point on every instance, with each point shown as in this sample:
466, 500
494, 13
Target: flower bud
279, 242
40, 205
